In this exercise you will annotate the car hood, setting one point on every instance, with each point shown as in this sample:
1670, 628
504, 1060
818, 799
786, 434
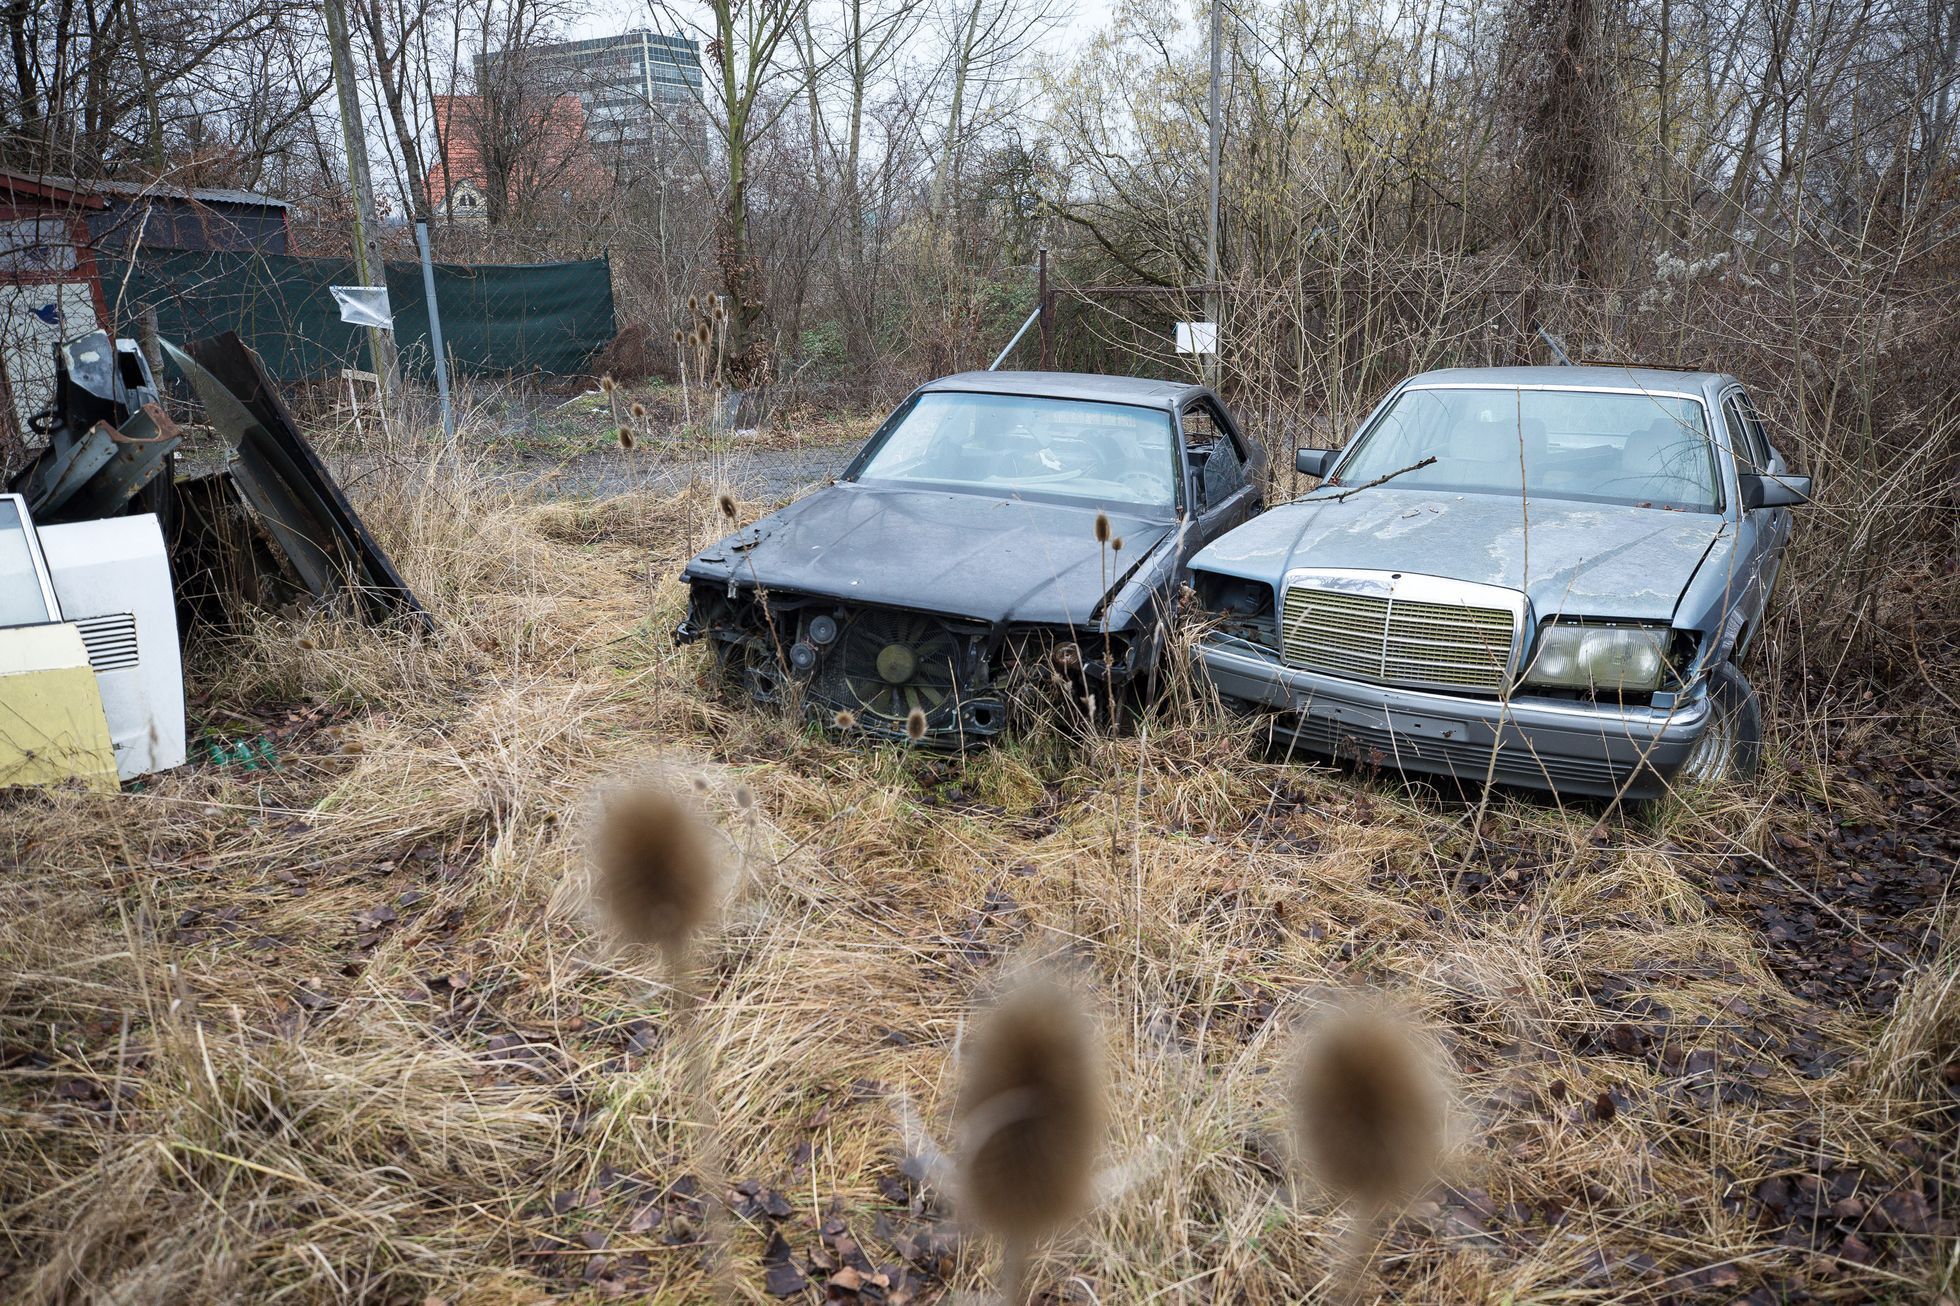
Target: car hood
1583, 559
991, 559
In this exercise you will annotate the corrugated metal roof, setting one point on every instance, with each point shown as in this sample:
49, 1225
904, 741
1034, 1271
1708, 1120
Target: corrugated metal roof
165, 191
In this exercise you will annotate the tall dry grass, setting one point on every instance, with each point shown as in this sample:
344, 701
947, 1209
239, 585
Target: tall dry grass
343, 1029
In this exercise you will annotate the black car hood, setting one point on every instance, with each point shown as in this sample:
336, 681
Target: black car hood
992, 559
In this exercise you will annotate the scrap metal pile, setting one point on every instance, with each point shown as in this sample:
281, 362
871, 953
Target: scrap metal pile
269, 525
106, 553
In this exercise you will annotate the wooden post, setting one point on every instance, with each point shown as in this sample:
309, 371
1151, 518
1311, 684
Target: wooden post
367, 244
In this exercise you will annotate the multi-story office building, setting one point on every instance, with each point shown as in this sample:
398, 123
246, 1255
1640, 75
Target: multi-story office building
634, 87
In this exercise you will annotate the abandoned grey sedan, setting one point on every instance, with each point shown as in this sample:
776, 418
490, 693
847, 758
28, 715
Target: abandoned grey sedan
1001, 532
1546, 577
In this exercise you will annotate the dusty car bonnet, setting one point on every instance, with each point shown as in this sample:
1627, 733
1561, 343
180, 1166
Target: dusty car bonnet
993, 559
1586, 559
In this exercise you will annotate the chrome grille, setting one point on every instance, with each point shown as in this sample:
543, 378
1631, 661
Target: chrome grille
1397, 641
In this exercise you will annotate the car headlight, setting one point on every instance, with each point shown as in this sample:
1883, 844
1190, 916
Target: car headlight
1599, 657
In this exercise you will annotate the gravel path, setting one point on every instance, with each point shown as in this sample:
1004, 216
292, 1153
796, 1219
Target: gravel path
757, 472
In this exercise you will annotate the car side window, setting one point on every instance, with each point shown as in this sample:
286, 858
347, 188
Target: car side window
1221, 473
1745, 433
1758, 433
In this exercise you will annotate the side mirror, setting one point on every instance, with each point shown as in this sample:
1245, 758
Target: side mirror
1315, 462
1760, 490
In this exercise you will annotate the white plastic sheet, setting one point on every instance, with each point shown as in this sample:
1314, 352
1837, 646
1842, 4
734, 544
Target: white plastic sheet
1197, 337
364, 306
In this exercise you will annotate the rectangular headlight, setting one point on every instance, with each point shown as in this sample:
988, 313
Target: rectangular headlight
1617, 658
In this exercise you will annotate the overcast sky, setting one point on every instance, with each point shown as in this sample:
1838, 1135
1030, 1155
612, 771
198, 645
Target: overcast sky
609, 17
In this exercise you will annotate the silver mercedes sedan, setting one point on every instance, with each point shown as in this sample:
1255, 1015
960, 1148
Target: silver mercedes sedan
1548, 577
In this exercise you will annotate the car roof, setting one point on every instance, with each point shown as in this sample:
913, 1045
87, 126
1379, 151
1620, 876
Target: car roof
1140, 390
1584, 377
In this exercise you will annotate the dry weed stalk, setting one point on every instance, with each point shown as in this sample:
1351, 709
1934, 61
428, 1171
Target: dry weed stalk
1029, 1120
1370, 1110
661, 884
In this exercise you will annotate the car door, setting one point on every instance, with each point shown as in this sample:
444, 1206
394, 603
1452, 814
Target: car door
1221, 484
1757, 435
1760, 530
1780, 519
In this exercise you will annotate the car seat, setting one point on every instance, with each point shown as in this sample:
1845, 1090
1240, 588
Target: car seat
1656, 466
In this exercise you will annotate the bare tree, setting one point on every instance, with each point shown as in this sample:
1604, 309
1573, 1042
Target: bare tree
744, 98
229, 84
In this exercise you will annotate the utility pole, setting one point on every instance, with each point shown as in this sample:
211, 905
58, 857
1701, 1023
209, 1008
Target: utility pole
367, 248
1212, 298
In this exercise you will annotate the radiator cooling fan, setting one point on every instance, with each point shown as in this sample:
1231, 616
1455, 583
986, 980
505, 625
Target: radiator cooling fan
895, 662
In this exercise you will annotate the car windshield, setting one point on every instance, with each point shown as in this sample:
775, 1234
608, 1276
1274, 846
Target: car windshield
1643, 450
1015, 444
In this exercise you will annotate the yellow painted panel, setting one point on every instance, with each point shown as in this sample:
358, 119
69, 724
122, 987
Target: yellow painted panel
52, 728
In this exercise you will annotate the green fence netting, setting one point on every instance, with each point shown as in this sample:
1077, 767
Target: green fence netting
497, 319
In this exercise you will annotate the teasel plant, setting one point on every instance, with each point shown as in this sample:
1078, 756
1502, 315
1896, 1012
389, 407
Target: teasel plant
1370, 1113
1108, 546
1028, 1121
610, 389
699, 355
660, 883
1028, 1124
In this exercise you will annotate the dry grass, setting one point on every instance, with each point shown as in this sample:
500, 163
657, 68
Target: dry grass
343, 1029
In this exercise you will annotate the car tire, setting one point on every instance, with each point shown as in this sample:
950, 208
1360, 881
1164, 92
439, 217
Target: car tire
1731, 748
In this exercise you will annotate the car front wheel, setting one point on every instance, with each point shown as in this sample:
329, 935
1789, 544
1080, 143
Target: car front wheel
1732, 746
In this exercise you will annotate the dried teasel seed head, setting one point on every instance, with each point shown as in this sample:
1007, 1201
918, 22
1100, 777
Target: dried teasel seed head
1102, 528
1370, 1106
845, 719
728, 506
1116, 545
702, 335
915, 725
639, 410
1029, 1115
680, 336
700, 783
607, 384
694, 303
656, 871
744, 798
626, 437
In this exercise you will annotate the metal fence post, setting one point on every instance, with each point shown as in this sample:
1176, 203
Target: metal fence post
435, 332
